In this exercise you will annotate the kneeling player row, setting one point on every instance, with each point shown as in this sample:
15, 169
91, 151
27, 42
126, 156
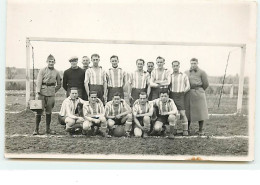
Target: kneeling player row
145, 117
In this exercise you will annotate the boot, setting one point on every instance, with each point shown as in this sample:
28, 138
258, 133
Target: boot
103, 132
37, 123
48, 124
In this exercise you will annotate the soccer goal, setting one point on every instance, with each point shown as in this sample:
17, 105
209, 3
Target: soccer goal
241, 46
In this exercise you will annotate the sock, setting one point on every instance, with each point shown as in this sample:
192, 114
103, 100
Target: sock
48, 122
37, 122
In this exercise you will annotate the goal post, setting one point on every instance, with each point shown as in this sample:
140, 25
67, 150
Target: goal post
133, 42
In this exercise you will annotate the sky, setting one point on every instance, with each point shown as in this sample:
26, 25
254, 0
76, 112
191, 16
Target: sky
145, 21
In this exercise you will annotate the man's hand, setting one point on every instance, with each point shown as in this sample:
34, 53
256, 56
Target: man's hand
117, 116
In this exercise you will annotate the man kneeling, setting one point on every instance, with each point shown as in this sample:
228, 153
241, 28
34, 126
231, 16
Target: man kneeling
118, 112
142, 113
71, 113
166, 114
94, 115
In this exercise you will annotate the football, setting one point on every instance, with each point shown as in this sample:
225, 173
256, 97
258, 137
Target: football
119, 131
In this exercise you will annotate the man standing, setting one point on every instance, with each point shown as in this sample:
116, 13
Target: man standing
138, 82
95, 79
118, 112
179, 85
48, 83
195, 100
142, 113
160, 78
150, 67
94, 114
116, 79
166, 111
74, 77
69, 113
85, 63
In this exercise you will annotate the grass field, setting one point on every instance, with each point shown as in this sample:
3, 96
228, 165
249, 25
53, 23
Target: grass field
19, 127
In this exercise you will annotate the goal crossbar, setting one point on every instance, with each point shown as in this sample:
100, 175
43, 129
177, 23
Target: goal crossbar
135, 42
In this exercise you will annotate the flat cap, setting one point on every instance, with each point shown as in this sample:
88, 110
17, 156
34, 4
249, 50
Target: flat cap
73, 58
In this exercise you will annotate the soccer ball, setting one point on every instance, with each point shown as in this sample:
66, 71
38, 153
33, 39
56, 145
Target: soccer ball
119, 131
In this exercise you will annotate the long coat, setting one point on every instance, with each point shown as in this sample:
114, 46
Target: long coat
195, 100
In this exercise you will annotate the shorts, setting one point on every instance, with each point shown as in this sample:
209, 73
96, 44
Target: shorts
135, 94
163, 119
118, 121
99, 89
113, 90
178, 99
141, 121
48, 103
61, 120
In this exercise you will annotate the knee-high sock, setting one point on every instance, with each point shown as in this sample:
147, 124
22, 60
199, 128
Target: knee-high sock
48, 122
201, 125
37, 122
189, 125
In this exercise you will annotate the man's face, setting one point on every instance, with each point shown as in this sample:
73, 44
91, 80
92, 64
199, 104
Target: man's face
140, 65
51, 63
175, 66
142, 99
150, 67
74, 94
164, 97
74, 63
160, 63
193, 64
114, 61
95, 60
93, 98
85, 61
116, 100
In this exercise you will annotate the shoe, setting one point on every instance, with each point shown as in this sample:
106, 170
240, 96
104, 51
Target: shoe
163, 133
200, 133
145, 135
153, 133
185, 133
35, 133
171, 136
51, 132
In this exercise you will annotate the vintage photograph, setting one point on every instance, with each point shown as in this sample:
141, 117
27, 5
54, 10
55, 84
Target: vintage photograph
140, 81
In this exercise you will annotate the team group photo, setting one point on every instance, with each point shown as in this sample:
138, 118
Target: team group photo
130, 81
95, 98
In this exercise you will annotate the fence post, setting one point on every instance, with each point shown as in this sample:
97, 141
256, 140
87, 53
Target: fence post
231, 95
27, 95
241, 80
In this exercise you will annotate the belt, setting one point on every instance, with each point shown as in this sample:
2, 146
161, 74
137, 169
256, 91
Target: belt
49, 84
196, 87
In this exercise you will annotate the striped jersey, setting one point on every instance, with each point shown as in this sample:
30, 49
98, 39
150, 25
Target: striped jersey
68, 107
139, 80
90, 109
155, 76
139, 109
165, 107
95, 76
179, 82
115, 77
111, 110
